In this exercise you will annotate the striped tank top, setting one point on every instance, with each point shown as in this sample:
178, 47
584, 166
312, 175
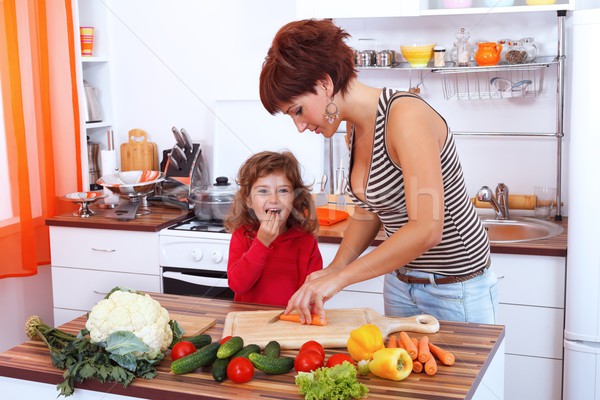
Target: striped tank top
465, 246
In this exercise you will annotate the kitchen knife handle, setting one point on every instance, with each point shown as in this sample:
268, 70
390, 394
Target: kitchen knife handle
187, 139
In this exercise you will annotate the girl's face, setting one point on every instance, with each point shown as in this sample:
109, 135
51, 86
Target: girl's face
307, 112
272, 195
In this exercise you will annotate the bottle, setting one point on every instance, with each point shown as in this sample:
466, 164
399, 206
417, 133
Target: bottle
439, 55
461, 53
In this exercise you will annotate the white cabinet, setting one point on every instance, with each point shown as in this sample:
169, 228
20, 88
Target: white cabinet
362, 294
88, 263
532, 298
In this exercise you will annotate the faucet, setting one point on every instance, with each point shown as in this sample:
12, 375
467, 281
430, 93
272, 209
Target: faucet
499, 203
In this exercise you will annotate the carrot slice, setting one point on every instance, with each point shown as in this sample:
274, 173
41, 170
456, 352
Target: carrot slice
431, 366
316, 320
409, 345
392, 342
424, 353
445, 357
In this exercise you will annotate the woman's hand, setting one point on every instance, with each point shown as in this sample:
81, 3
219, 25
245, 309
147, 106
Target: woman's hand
309, 299
269, 229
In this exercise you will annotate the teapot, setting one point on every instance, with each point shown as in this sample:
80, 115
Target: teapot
488, 53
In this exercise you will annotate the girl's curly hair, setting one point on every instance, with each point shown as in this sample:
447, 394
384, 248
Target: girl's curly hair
265, 163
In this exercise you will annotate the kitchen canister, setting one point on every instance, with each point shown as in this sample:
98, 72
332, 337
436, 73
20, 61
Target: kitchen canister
439, 56
86, 34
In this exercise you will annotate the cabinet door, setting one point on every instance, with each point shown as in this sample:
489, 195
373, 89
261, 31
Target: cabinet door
103, 249
532, 331
352, 299
530, 280
374, 285
81, 289
532, 378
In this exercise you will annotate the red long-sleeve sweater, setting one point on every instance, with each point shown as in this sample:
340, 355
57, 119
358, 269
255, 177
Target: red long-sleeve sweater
271, 275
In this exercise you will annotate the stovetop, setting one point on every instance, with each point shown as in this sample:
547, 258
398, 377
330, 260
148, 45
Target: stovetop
196, 225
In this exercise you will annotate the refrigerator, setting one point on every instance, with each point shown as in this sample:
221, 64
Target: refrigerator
582, 321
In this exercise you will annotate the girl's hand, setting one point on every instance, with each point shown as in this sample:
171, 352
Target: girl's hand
312, 295
269, 229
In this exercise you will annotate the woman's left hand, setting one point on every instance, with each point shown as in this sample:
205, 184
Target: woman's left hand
309, 299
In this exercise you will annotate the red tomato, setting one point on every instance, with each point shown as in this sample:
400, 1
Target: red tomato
226, 338
338, 359
240, 370
313, 345
308, 360
182, 349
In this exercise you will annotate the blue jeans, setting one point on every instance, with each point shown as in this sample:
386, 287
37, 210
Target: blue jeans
475, 300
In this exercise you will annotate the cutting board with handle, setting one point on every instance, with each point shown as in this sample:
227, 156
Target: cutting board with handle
254, 327
192, 324
138, 154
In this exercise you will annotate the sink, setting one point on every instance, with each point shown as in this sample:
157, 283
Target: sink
521, 229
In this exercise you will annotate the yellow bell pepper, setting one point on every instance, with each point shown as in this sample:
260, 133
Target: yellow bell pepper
391, 363
365, 341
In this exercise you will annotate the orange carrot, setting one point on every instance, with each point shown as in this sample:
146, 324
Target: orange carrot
431, 366
417, 366
409, 345
445, 357
424, 353
316, 320
392, 342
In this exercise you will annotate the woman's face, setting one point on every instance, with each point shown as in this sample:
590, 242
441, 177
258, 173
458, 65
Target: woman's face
307, 112
272, 195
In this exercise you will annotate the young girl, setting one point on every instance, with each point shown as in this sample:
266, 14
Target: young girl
273, 248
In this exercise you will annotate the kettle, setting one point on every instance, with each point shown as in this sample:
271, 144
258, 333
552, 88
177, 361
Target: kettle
93, 112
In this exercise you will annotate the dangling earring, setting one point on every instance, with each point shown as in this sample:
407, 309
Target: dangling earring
331, 110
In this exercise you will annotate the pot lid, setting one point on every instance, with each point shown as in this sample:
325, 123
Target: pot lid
220, 189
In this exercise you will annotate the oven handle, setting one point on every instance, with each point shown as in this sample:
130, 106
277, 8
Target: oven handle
197, 280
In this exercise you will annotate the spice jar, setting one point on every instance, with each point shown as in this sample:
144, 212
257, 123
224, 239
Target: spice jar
439, 56
461, 52
516, 53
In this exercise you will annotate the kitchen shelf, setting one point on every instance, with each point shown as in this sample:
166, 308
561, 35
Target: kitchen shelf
494, 82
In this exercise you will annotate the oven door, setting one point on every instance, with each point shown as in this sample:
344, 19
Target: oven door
196, 282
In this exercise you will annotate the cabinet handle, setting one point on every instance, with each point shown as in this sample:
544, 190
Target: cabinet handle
104, 250
196, 280
500, 277
102, 293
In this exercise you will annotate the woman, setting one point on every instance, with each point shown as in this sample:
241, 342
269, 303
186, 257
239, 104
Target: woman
274, 247
404, 174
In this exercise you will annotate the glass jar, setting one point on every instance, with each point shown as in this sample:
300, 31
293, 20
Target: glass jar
530, 47
516, 53
461, 52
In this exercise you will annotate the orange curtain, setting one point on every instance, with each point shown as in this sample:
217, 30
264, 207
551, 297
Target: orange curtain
41, 127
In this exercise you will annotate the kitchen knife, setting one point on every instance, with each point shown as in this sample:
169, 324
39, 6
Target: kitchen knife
189, 146
178, 137
173, 161
321, 198
180, 154
275, 318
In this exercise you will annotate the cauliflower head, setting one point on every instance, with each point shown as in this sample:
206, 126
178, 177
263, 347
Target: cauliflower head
134, 312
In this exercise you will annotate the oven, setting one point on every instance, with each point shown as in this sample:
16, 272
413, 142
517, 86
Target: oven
193, 259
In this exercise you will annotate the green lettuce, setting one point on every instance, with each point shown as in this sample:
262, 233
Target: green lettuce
333, 383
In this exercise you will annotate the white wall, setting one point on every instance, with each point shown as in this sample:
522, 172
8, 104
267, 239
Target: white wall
20, 298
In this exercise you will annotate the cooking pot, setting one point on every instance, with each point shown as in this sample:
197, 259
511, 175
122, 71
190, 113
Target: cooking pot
213, 202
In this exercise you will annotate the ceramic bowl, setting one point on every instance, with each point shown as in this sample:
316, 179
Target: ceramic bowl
417, 54
132, 184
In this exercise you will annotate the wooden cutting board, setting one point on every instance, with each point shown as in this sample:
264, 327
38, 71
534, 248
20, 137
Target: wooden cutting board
138, 154
192, 324
254, 327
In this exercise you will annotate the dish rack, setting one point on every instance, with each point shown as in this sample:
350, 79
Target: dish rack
497, 82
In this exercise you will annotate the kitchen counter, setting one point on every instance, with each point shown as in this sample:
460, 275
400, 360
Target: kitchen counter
162, 217
473, 345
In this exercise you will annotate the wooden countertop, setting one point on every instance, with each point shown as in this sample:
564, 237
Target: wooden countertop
161, 217
473, 345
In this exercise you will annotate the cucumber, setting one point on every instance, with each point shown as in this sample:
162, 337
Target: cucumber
201, 358
246, 351
272, 366
272, 349
199, 341
230, 347
219, 369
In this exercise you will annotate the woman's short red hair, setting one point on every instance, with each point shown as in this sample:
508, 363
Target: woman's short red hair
302, 53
